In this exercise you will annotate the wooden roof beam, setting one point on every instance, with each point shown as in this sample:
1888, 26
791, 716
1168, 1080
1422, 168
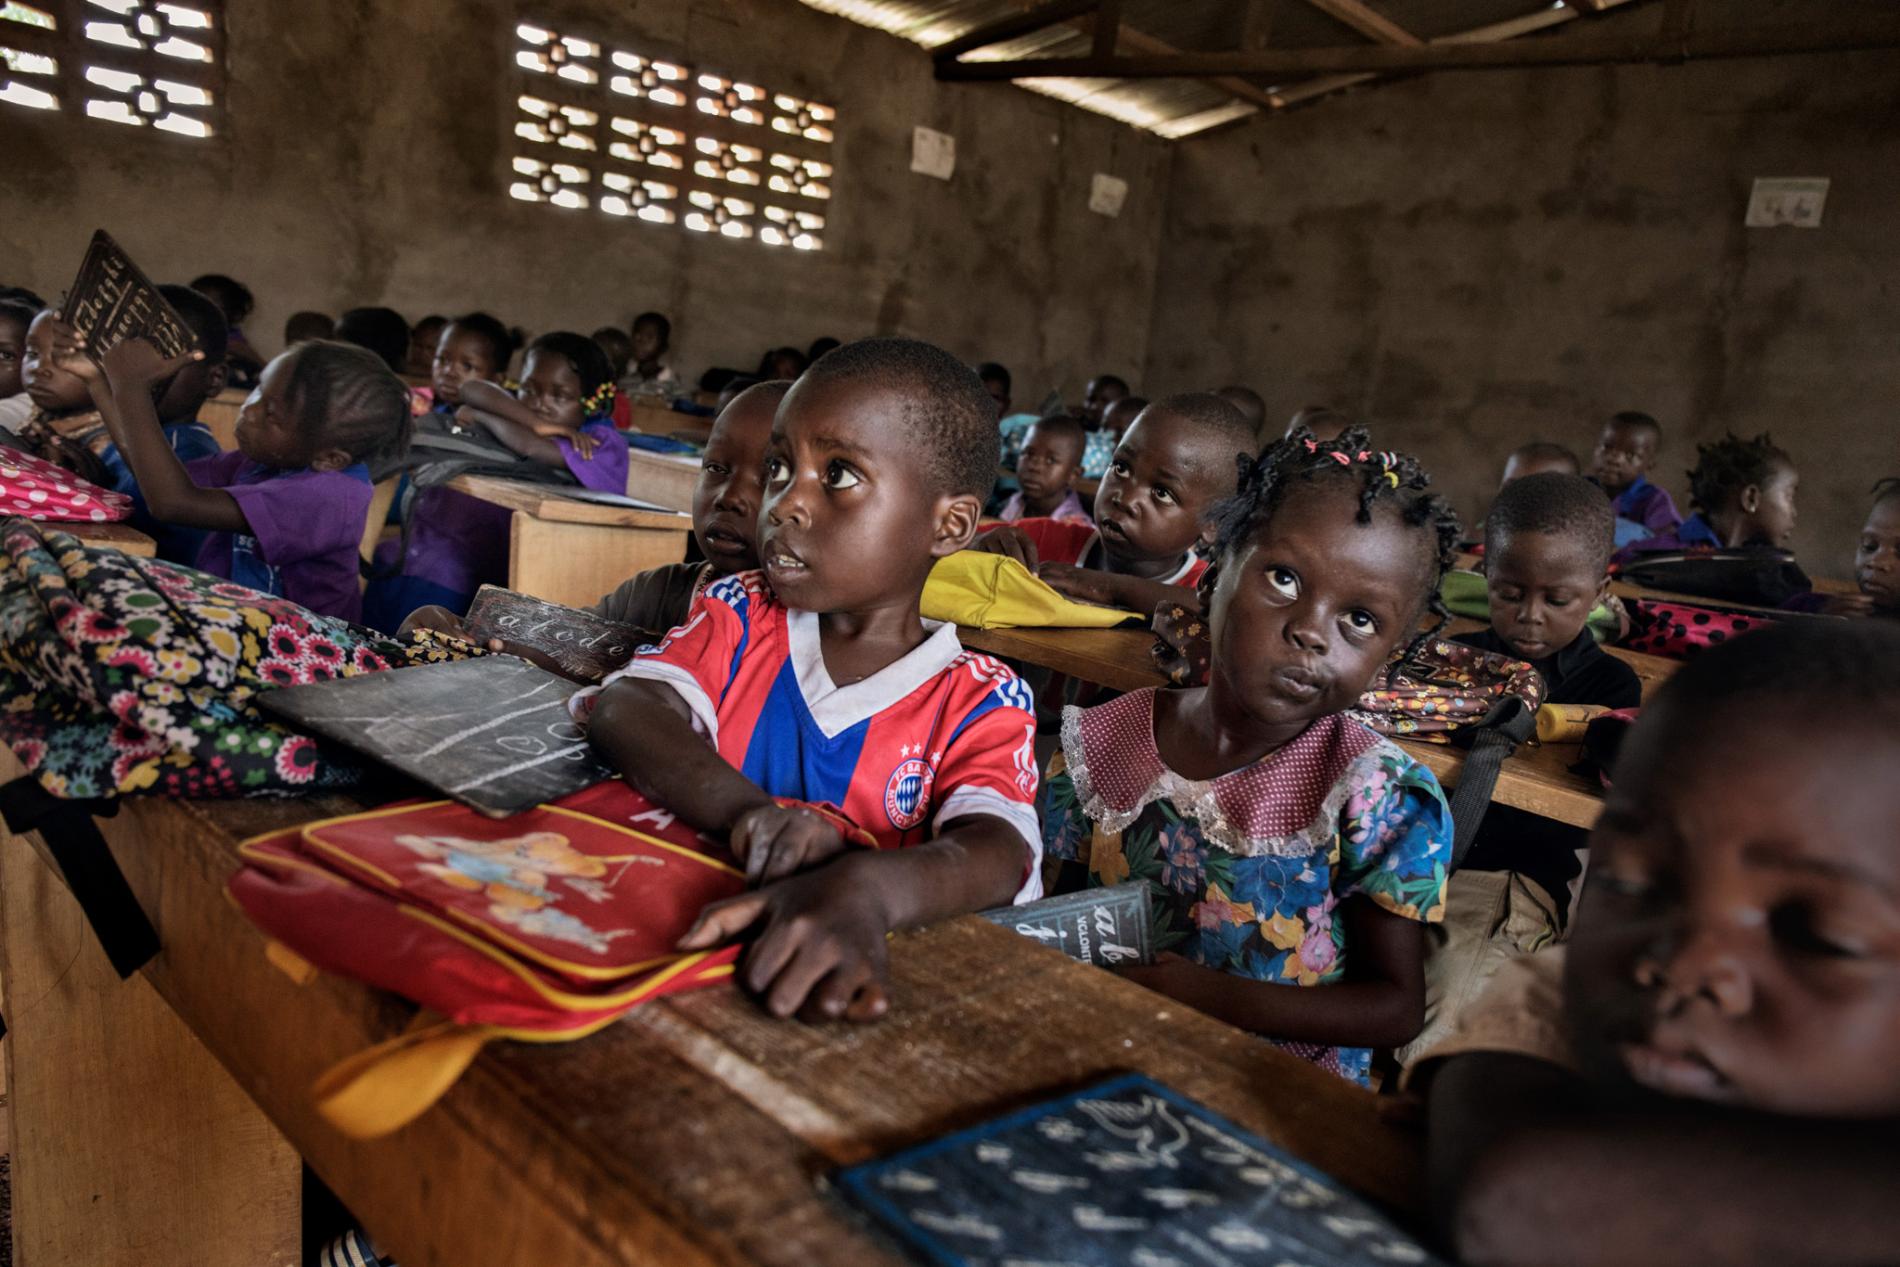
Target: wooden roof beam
1865, 30
1141, 42
1363, 19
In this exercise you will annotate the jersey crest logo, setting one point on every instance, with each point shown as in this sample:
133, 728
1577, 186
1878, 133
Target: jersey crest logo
906, 793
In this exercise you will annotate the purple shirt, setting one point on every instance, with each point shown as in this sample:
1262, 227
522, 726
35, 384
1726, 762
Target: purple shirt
1644, 510
461, 542
1693, 531
305, 526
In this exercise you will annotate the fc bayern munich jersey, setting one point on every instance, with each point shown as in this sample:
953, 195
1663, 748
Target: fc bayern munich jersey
1079, 542
939, 734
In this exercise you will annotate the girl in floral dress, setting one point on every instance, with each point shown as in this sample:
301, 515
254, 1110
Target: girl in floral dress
1284, 844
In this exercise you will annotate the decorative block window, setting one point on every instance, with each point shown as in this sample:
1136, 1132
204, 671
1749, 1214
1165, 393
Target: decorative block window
142, 63
640, 137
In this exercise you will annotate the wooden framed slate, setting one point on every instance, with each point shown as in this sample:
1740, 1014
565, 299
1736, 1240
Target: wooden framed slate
1104, 927
112, 301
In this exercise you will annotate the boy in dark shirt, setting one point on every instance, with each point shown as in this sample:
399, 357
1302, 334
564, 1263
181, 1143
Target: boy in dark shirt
1548, 541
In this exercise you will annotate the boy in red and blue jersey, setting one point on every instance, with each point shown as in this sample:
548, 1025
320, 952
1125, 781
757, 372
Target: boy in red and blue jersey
817, 680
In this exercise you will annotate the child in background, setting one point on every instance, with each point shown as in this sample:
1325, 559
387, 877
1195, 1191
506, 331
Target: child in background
996, 382
474, 348
1252, 407
1620, 466
286, 510
1323, 421
179, 401
1116, 420
817, 680
619, 349
457, 543
1742, 492
1709, 1072
243, 361
1285, 844
305, 326
1051, 457
1170, 469
64, 425
423, 338
1546, 562
725, 524
651, 374
1877, 559
785, 362
1100, 392
381, 330
15, 405
821, 345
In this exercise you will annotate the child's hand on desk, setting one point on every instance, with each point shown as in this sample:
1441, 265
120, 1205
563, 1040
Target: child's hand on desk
820, 949
135, 363
1011, 541
1084, 585
772, 842
1847, 605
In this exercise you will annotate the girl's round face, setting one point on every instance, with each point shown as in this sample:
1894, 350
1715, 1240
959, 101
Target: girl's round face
1311, 606
461, 356
551, 388
53, 389
12, 353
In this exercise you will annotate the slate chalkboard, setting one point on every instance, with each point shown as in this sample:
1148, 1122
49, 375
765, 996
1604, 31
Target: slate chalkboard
1126, 1173
112, 301
492, 732
1105, 927
586, 647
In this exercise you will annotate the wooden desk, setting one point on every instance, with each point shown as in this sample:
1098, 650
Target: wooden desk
570, 551
694, 1132
1537, 778
118, 536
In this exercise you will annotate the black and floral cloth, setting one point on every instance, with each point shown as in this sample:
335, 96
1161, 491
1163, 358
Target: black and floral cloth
121, 675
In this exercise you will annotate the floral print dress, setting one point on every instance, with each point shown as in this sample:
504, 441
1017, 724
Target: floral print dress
1247, 870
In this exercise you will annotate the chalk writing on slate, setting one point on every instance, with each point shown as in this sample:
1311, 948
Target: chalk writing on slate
492, 732
1105, 927
112, 301
586, 647
1127, 1173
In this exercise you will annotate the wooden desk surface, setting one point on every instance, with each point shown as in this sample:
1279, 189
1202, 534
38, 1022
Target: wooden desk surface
116, 535
544, 501
1537, 778
697, 1130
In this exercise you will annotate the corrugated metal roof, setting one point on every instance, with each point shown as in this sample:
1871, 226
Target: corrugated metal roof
1180, 107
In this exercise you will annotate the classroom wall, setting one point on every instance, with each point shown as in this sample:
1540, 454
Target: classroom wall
1473, 260
366, 157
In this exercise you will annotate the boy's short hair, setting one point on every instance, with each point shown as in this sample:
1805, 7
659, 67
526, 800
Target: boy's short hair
230, 294
1841, 666
657, 320
1224, 424
1063, 426
309, 325
381, 330
205, 318
1568, 506
1638, 419
991, 372
1247, 400
1725, 467
1545, 451
950, 418
1111, 381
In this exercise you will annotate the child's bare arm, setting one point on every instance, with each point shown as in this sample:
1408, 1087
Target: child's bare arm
1529, 1168
1112, 589
514, 424
1380, 1004
820, 948
645, 731
132, 368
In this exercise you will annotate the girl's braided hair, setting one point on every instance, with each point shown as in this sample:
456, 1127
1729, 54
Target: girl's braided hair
1727, 466
346, 396
1381, 477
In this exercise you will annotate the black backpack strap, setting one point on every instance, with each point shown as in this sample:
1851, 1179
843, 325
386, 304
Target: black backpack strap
92, 874
1509, 724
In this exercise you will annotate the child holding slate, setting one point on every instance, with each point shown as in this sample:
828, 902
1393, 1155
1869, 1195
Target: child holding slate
817, 679
725, 524
1709, 1071
1285, 844
286, 510
1171, 466
457, 543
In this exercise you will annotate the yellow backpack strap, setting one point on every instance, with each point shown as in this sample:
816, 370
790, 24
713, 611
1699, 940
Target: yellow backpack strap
391, 1084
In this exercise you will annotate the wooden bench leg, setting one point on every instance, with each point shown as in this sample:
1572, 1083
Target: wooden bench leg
132, 1147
